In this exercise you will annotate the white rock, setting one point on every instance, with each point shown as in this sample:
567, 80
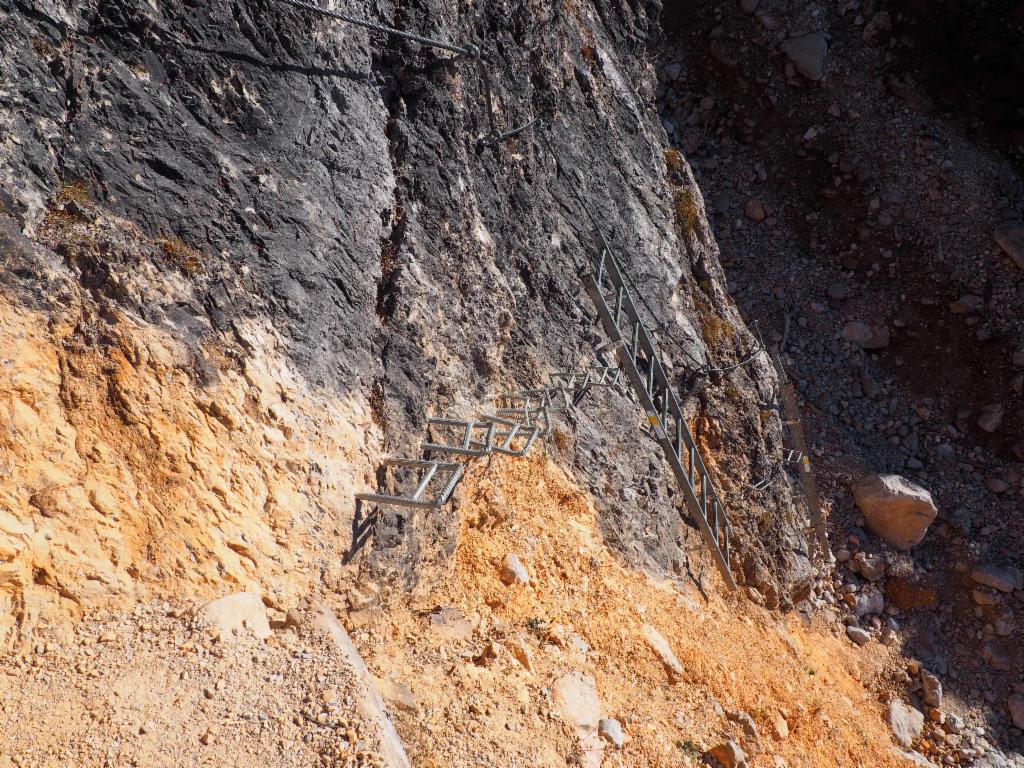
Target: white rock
235, 616
661, 647
895, 508
611, 731
513, 571
907, 723
576, 698
931, 689
868, 604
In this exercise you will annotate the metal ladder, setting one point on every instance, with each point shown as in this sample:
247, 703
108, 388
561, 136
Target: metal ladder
639, 359
517, 420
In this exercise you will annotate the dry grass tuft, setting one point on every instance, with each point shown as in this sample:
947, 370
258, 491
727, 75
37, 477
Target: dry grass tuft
715, 329
185, 258
687, 210
674, 160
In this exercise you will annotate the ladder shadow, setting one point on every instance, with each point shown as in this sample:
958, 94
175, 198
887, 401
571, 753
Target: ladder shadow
363, 525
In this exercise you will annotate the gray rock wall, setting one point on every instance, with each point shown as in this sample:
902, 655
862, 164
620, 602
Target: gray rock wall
332, 182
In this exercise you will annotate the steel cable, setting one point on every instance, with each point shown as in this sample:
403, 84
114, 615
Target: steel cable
467, 50
471, 51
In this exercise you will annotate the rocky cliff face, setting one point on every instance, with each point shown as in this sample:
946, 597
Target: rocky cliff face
249, 250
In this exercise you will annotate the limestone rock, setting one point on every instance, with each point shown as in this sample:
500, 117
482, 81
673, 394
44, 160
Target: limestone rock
931, 689
780, 727
729, 755
661, 647
513, 571
369, 702
611, 731
907, 723
868, 604
807, 52
522, 653
871, 567
576, 697
398, 695
235, 616
1004, 579
857, 635
896, 509
1010, 237
450, 624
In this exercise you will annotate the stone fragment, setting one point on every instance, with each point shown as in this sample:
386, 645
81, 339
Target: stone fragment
952, 723
991, 417
664, 651
522, 653
871, 567
398, 695
1010, 237
857, 635
877, 30
450, 624
906, 722
749, 6
967, 304
780, 727
752, 739
576, 697
838, 291
896, 509
870, 603
513, 571
233, 617
995, 658
931, 689
1002, 578
729, 754
807, 52
1016, 706
611, 731
984, 597
754, 210
866, 336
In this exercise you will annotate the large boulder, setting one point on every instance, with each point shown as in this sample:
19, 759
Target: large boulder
896, 509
